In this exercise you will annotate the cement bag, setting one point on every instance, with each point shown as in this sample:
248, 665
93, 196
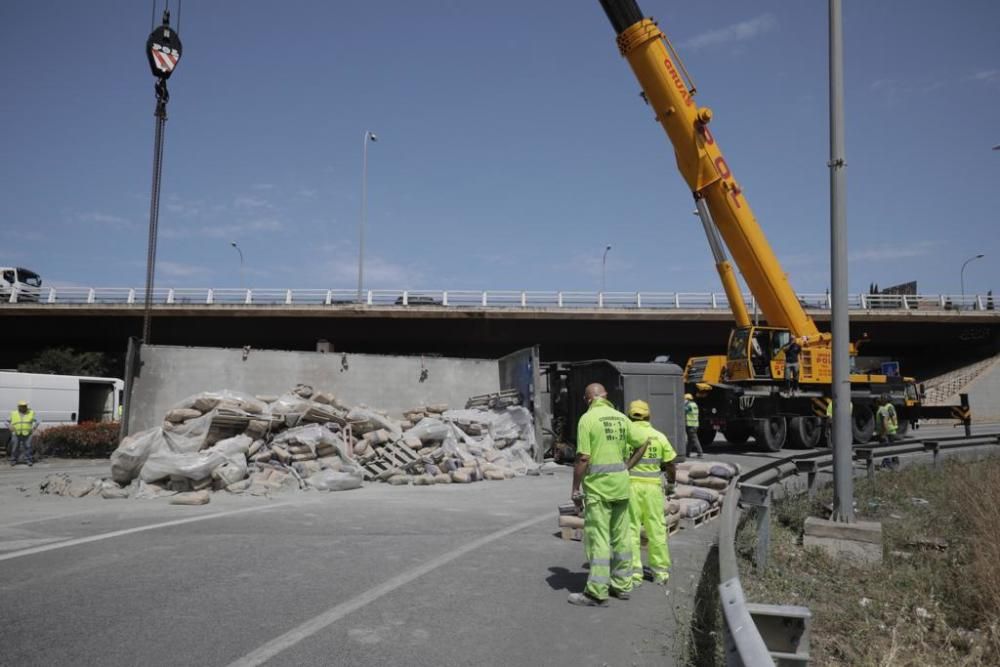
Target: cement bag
697, 470
189, 437
132, 453
692, 507
724, 470
291, 404
230, 473
179, 415
429, 429
701, 493
207, 401
711, 482
363, 420
333, 480
163, 464
682, 477
672, 507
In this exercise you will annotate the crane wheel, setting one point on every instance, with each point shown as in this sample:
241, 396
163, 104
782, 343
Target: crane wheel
804, 432
737, 432
770, 433
706, 435
862, 423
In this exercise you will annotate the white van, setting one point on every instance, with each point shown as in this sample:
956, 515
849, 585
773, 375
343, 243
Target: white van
60, 399
19, 284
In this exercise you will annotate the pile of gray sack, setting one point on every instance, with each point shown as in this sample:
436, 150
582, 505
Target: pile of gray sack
307, 439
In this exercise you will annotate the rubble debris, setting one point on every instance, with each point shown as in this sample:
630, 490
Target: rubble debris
307, 439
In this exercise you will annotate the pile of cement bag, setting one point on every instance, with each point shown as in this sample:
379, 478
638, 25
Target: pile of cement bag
305, 439
700, 487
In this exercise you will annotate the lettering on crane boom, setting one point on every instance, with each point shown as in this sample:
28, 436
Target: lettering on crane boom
678, 82
722, 168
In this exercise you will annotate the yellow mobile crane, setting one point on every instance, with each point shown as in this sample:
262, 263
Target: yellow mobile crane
740, 392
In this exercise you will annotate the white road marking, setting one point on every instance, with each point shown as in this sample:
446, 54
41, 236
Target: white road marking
334, 614
129, 531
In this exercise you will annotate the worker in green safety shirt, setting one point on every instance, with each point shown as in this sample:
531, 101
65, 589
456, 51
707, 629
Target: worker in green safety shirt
602, 473
22, 425
645, 505
886, 421
691, 426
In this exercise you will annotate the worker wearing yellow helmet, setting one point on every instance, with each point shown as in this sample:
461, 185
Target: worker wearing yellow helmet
646, 496
691, 426
22, 424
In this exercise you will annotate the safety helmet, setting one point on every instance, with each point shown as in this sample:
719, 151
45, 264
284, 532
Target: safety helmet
688, 397
638, 410
22, 403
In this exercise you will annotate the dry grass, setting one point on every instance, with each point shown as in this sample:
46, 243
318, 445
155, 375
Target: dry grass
935, 599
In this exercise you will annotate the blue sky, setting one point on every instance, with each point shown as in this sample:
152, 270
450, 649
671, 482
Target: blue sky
512, 143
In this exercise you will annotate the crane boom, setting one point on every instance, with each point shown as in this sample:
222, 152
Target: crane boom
708, 175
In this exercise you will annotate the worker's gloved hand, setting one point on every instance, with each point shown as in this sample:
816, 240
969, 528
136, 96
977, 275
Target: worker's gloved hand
668, 488
577, 499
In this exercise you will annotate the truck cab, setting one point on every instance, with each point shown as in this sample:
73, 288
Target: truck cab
18, 284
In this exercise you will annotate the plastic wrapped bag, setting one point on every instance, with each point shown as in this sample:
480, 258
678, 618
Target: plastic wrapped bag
429, 429
196, 465
333, 480
364, 420
132, 453
207, 401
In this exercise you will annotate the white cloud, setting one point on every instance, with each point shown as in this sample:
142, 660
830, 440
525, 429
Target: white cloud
257, 226
894, 251
249, 201
179, 270
105, 219
987, 76
737, 32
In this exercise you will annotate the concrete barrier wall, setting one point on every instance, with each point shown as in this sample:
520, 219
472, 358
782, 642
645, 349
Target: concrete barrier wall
168, 374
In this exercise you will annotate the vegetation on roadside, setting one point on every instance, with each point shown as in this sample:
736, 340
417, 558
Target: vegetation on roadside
67, 361
86, 440
935, 598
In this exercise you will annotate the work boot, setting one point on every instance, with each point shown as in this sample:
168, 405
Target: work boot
662, 581
621, 595
584, 600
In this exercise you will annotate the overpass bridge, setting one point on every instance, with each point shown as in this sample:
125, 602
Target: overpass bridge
928, 333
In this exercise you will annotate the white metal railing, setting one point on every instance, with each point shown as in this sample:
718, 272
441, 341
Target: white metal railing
707, 301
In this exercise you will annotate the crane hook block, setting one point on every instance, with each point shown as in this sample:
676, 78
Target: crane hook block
163, 49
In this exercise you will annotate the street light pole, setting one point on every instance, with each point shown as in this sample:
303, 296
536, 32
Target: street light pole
843, 466
241, 262
961, 275
368, 136
604, 265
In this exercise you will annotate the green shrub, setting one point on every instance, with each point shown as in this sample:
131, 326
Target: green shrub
86, 440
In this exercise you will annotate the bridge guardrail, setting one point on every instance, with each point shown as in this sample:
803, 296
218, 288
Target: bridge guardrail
569, 300
744, 644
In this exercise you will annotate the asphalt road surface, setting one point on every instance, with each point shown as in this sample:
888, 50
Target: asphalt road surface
443, 575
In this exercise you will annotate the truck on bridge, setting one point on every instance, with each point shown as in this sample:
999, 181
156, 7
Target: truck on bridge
741, 392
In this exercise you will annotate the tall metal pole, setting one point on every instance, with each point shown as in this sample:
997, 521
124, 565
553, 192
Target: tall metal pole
241, 262
154, 209
843, 472
604, 264
163, 52
961, 275
368, 136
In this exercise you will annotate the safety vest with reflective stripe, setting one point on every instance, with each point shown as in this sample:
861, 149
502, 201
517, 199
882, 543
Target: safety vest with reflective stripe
21, 423
659, 451
887, 417
690, 414
602, 434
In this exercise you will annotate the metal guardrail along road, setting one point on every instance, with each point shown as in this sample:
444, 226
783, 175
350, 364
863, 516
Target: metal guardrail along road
744, 643
694, 301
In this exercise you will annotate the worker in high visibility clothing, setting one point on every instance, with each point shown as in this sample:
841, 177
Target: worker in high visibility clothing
22, 425
645, 505
886, 421
691, 425
601, 469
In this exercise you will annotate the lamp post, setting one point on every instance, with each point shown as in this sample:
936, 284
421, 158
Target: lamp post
961, 274
241, 262
604, 266
368, 136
